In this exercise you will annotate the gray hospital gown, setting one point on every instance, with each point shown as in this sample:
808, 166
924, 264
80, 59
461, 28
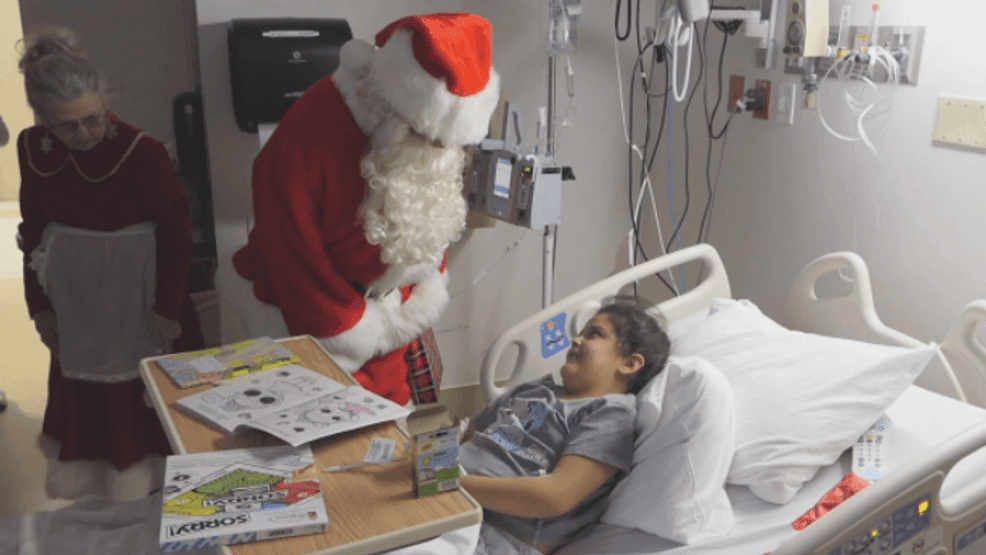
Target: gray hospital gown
526, 432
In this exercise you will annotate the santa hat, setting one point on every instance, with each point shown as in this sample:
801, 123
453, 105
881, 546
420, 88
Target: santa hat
434, 70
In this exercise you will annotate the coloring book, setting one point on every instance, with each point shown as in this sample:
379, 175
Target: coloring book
226, 362
240, 496
293, 403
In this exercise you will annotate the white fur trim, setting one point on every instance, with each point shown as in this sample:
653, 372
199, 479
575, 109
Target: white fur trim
354, 64
387, 324
425, 101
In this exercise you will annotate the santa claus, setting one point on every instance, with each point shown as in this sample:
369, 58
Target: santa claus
358, 194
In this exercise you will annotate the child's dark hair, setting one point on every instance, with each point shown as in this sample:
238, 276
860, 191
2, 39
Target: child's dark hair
638, 332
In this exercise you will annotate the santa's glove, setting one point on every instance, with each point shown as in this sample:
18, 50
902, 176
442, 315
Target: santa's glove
167, 331
47, 328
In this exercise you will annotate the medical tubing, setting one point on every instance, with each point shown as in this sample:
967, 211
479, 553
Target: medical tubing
881, 56
648, 188
707, 214
821, 116
708, 123
616, 21
675, 37
483, 273
631, 148
722, 156
688, 105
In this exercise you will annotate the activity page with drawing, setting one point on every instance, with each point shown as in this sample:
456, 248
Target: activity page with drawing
293, 403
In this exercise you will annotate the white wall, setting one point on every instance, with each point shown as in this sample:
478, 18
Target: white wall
790, 194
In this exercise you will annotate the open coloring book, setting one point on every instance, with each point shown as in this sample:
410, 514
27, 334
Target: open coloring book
293, 403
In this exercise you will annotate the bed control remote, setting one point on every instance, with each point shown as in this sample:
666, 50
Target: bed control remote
869, 453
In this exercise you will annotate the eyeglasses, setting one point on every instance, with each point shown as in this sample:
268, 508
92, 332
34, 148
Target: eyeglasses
68, 127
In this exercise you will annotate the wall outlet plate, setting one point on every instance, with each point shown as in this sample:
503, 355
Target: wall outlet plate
765, 113
961, 122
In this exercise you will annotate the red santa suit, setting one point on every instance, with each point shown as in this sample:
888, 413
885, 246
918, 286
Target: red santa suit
308, 253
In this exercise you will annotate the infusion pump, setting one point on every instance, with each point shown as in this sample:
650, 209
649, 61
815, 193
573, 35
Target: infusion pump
521, 190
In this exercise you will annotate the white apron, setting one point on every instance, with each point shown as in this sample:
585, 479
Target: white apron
101, 286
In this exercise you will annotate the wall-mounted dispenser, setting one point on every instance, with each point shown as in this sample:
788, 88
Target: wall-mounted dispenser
272, 62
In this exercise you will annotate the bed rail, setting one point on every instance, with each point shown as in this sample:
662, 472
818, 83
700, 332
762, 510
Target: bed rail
853, 316
536, 359
949, 527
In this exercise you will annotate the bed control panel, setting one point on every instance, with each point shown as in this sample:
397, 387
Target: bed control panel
972, 542
901, 533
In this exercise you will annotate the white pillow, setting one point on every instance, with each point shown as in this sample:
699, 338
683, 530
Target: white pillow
685, 429
801, 399
682, 326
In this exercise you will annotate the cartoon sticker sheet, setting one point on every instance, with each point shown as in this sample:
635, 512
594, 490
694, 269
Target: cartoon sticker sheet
226, 362
240, 495
293, 403
340, 411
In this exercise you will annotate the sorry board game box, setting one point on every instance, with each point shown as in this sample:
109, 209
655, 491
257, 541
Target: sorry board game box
240, 496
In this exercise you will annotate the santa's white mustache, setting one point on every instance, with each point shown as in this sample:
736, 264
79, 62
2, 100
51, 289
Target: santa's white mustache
414, 207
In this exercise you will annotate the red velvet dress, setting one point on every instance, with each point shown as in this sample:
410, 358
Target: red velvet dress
124, 180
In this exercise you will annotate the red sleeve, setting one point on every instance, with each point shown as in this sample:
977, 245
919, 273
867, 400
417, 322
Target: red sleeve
290, 185
170, 210
31, 228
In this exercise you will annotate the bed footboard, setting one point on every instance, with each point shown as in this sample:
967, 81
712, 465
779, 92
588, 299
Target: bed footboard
904, 513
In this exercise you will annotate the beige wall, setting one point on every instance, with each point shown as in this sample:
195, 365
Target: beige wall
13, 101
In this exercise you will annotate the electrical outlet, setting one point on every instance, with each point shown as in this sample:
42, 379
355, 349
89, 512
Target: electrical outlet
764, 114
736, 89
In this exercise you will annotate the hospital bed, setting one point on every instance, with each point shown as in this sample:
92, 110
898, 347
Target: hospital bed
940, 461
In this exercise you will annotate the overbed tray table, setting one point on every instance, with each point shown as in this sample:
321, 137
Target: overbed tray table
371, 509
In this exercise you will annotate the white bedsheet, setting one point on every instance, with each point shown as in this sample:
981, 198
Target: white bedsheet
920, 419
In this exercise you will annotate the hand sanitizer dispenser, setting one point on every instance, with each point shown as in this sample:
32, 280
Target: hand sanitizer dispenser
272, 62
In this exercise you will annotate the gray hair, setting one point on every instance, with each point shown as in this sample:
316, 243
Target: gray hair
56, 71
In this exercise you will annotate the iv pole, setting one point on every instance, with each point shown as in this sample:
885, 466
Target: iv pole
550, 230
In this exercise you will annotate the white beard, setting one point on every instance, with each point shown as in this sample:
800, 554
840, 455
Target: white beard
414, 207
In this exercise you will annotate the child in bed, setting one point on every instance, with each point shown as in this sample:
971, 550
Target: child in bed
543, 458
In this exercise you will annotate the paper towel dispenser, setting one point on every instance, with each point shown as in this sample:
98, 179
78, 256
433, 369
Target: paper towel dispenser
272, 62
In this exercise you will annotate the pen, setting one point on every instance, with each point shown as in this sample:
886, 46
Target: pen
363, 464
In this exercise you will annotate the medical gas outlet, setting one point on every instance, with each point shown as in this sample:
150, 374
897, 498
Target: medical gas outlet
807, 29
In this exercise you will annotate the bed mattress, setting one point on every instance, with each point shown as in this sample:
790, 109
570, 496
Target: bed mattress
920, 421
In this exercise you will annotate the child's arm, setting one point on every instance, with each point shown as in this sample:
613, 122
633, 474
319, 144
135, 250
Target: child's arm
574, 479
